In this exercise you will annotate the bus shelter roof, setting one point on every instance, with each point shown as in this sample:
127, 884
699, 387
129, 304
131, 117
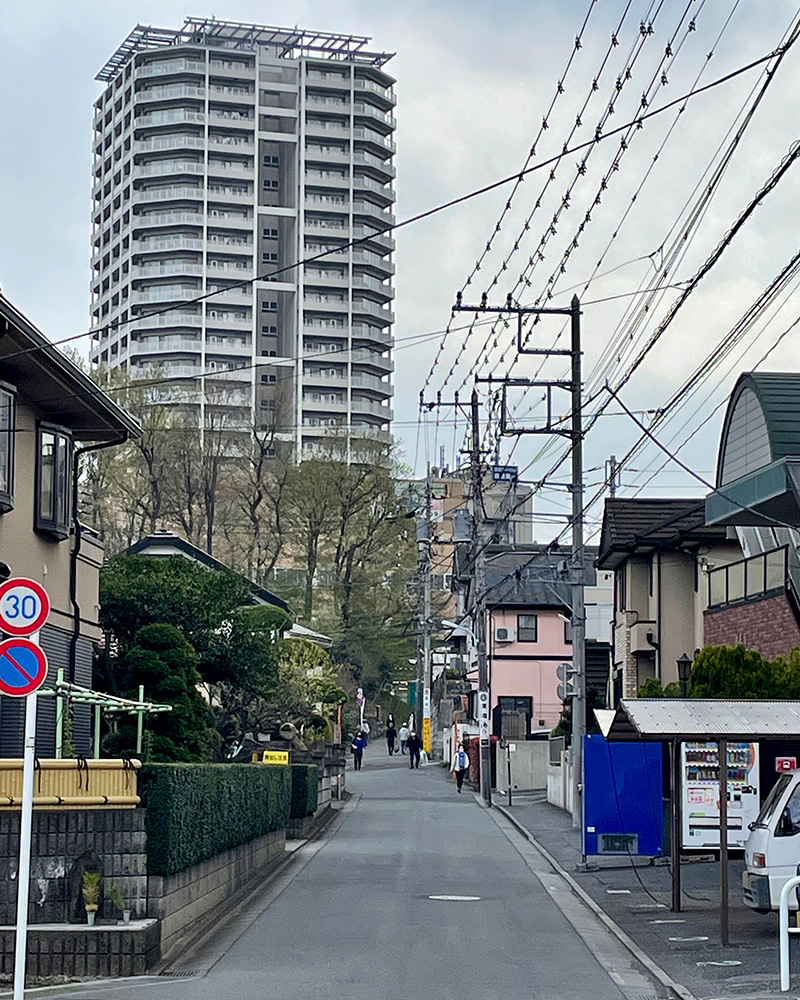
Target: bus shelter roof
704, 719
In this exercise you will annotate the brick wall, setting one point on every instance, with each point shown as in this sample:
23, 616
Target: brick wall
768, 625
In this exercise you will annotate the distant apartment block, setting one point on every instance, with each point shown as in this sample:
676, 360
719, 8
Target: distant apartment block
225, 152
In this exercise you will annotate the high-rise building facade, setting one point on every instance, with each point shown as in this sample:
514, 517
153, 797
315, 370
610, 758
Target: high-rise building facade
224, 154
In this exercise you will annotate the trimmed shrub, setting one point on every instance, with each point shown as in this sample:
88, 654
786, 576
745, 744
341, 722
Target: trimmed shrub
196, 811
305, 790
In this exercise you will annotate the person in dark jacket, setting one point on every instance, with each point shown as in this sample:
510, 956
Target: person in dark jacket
357, 748
391, 736
414, 748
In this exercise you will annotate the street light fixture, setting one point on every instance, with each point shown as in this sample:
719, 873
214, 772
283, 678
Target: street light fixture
684, 669
463, 628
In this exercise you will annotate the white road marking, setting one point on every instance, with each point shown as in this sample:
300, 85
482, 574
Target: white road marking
457, 899
618, 892
698, 937
667, 921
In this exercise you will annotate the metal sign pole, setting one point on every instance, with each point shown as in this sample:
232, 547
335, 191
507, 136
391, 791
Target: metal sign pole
25, 830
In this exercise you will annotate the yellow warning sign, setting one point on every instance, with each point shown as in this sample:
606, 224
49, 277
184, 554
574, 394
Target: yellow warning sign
270, 757
426, 735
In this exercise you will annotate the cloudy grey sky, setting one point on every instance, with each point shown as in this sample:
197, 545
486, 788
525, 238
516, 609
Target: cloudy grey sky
474, 81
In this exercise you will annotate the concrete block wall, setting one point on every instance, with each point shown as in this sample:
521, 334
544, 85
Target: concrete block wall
65, 844
181, 901
77, 952
767, 625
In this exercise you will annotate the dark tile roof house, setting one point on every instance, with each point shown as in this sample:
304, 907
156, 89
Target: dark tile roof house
642, 525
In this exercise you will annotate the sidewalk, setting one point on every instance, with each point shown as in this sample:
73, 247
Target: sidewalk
636, 895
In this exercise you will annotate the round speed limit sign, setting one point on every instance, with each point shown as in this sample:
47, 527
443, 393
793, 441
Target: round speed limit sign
24, 606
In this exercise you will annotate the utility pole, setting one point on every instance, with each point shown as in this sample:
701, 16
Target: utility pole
575, 435
425, 714
480, 609
578, 608
612, 474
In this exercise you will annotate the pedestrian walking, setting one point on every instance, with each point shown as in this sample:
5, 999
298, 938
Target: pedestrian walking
414, 748
403, 737
391, 737
460, 766
357, 749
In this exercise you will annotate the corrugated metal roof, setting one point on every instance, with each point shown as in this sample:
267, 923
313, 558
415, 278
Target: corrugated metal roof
704, 719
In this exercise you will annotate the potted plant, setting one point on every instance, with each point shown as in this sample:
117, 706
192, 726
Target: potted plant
116, 897
91, 895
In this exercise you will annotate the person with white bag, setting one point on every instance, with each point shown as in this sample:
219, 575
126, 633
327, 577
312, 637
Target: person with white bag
460, 766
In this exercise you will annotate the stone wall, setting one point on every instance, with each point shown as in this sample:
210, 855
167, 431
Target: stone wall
65, 844
768, 625
180, 902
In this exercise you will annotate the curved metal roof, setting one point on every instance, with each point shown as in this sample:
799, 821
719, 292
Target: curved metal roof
778, 394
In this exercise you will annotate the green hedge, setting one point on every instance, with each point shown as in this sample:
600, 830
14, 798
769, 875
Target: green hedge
196, 811
305, 790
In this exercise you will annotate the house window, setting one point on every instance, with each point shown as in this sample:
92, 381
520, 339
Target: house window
53, 475
7, 428
527, 628
568, 632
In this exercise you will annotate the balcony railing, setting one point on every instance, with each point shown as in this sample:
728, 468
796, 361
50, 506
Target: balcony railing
747, 579
170, 66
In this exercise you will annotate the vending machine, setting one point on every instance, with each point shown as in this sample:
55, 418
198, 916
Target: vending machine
700, 793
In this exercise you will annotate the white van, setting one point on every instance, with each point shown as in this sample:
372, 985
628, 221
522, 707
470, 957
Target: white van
772, 851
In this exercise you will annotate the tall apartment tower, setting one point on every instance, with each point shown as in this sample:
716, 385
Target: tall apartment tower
225, 152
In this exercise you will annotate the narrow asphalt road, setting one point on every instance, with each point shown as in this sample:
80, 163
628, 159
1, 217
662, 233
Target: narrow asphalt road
357, 921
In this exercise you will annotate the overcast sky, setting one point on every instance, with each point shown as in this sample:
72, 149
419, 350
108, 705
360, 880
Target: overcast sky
475, 79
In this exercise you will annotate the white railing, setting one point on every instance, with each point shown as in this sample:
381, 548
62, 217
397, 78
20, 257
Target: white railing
167, 117
231, 140
368, 109
784, 931
372, 382
375, 88
170, 66
176, 268
167, 243
166, 294
169, 142
169, 167
164, 194
367, 208
163, 93
368, 159
369, 136
155, 344
168, 219
168, 319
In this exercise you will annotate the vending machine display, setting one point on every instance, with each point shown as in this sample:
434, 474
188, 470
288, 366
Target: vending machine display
700, 793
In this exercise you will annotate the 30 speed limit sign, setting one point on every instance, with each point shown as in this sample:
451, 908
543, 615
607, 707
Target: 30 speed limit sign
24, 606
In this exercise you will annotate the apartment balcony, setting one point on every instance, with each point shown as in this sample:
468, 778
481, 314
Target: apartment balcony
242, 168
236, 143
229, 244
376, 163
335, 104
339, 182
232, 119
168, 67
366, 208
324, 405
164, 167
375, 139
159, 244
172, 117
238, 273
325, 378
384, 121
170, 93
371, 359
226, 193
232, 221
381, 337
373, 88
166, 293
228, 347
314, 302
373, 260
373, 309
373, 383
167, 319
168, 142
171, 269
229, 321
374, 237
176, 371
385, 293
326, 225
316, 154
167, 219
329, 129
242, 374
231, 70
321, 80
231, 95
753, 578
235, 295
168, 194
373, 408
362, 183
161, 345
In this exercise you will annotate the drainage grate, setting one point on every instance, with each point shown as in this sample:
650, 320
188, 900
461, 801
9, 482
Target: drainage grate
644, 996
176, 974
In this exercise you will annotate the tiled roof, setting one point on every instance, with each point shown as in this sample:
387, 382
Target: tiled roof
630, 523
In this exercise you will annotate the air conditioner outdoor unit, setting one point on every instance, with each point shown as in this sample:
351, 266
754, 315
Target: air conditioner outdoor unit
504, 634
